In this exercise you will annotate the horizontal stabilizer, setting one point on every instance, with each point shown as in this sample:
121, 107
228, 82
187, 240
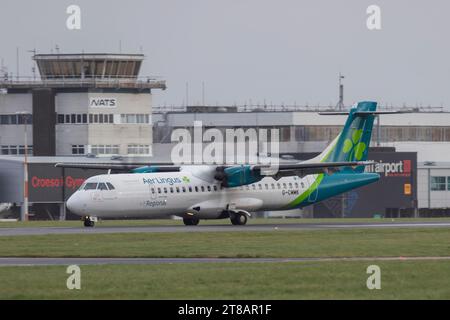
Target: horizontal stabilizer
359, 113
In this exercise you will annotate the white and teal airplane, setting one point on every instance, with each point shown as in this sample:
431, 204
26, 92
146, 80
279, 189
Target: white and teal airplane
196, 192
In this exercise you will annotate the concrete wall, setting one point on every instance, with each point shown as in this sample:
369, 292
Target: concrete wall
123, 134
11, 181
437, 199
104, 134
11, 103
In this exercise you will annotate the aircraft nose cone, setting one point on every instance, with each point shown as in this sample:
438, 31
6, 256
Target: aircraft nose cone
73, 204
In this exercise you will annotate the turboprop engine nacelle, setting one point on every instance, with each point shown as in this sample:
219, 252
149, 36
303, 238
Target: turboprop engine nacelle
237, 176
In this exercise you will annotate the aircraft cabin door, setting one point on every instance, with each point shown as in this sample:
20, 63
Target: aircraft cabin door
313, 195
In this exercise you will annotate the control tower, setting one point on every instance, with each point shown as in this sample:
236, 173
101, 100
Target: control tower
84, 103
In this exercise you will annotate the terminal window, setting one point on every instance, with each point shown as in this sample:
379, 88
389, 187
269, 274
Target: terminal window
134, 118
72, 118
82, 118
16, 119
77, 149
15, 150
138, 149
105, 149
438, 183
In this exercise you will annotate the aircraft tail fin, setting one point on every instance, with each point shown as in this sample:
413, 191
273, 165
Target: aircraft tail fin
352, 144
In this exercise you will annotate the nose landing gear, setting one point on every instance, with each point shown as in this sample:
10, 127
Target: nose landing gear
88, 221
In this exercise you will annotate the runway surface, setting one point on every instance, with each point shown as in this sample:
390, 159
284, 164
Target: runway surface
153, 261
99, 229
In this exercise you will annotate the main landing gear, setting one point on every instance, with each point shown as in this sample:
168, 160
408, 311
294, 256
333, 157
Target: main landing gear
238, 218
191, 221
88, 221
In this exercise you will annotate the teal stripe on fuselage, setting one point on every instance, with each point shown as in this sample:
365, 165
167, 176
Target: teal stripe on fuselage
332, 185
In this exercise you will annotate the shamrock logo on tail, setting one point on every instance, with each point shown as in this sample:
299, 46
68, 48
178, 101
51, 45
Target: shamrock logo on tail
354, 147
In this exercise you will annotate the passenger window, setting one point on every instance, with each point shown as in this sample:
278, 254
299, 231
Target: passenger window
171, 190
177, 189
196, 189
110, 186
153, 190
165, 190
259, 186
284, 186
209, 188
90, 186
202, 188
183, 188
302, 185
159, 190
190, 189
215, 188
267, 186
290, 185
102, 186
253, 186
273, 186
296, 185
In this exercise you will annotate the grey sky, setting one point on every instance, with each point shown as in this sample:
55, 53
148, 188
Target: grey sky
281, 51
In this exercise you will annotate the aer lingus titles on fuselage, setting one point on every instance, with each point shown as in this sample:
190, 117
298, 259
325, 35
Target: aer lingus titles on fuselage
196, 192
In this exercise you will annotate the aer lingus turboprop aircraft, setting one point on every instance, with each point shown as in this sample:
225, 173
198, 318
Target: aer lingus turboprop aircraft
196, 192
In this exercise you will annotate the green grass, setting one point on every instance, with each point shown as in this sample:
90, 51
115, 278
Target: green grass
172, 222
304, 280
277, 243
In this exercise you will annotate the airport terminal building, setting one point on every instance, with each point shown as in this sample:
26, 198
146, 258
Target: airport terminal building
81, 104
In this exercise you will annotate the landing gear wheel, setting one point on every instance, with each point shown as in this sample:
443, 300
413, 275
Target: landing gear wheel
238, 219
191, 221
88, 222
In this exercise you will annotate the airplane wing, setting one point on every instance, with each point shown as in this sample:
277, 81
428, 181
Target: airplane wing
231, 175
238, 175
303, 169
122, 167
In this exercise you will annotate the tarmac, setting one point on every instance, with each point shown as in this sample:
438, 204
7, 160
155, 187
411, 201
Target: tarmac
154, 261
23, 231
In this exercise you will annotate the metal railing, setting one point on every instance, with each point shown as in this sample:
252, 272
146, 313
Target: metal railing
91, 81
287, 108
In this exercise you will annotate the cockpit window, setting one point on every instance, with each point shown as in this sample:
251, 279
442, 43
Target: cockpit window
82, 186
102, 186
110, 186
90, 186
